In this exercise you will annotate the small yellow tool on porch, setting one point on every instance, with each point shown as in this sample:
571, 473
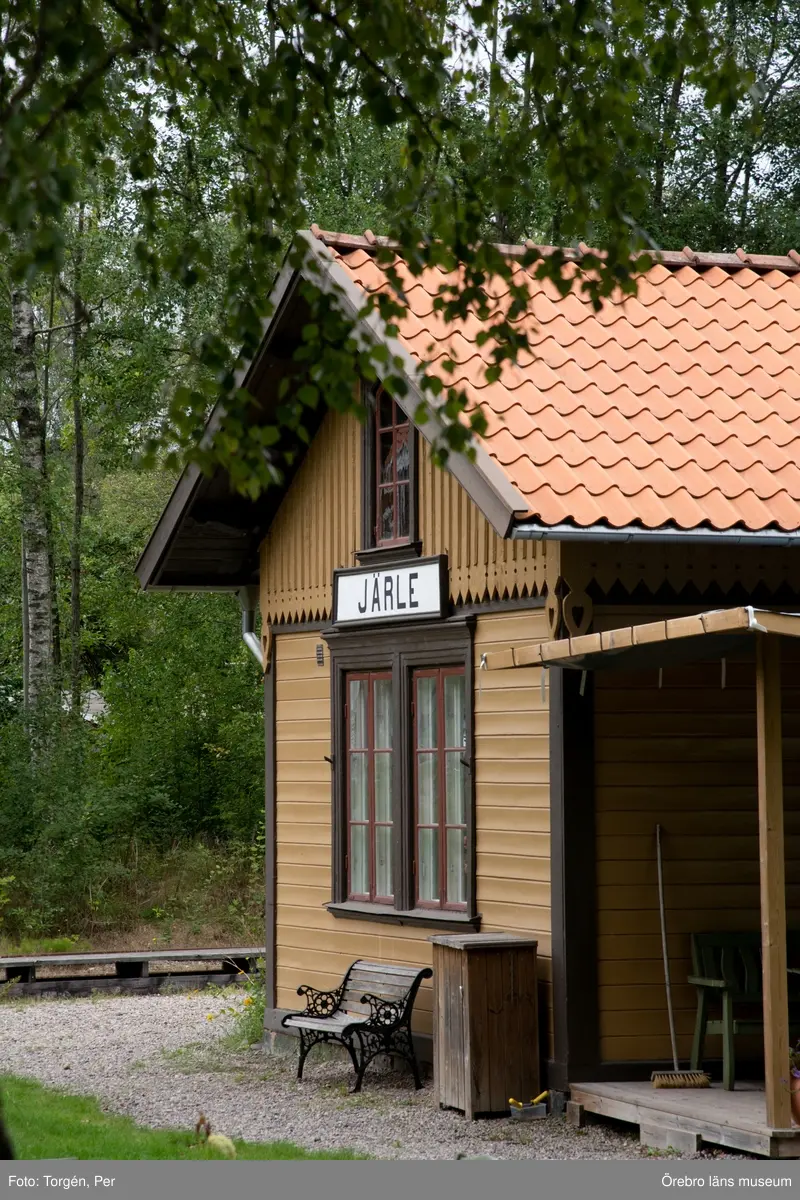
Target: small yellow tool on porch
531, 1111
676, 1078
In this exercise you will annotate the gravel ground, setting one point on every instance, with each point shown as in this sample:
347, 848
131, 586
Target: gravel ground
161, 1061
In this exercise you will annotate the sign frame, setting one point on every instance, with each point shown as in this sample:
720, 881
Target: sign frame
389, 567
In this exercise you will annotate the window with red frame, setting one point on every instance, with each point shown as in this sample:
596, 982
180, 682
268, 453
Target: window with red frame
392, 472
440, 788
369, 712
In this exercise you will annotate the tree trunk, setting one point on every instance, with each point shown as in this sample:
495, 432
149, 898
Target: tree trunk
51, 553
26, 644
33, 489
75, 671
665, 153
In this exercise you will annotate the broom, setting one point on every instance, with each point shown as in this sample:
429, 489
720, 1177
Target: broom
675, 1078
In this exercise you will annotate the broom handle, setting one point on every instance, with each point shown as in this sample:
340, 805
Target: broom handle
664, 949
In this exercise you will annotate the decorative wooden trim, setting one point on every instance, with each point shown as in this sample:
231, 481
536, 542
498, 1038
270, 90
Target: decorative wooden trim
401, 648
271, 834
773, 880
518, 604
574, 924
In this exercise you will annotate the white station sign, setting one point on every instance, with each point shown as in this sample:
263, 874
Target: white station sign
389, 593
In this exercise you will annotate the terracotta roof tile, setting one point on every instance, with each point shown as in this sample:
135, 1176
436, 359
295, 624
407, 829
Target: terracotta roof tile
680, 405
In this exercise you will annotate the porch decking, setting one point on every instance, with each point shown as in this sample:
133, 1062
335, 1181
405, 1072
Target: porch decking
683, 1117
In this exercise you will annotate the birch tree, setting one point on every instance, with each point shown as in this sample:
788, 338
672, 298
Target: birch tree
37, 589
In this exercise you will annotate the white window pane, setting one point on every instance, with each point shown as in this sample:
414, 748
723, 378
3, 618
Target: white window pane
359, 860
426, 712
358, 713
358, 787
383, 786
383, 860
455, 714
382, 689
428, 864
456, 867
427, 789
455, 782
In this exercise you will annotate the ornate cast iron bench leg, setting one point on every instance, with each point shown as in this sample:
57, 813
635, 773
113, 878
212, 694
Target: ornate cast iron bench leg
308, 1040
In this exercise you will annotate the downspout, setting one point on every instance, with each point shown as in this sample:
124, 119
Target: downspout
248, 598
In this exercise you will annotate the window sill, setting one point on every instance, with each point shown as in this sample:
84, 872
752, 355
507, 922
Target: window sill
357, 911
392, 553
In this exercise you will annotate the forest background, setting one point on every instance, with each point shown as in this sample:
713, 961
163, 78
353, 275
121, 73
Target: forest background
139, 819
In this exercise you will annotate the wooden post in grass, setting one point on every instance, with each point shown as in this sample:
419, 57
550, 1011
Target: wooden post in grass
773, 880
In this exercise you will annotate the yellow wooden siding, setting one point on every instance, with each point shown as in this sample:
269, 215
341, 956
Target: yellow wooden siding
318, 529
683, 756
513, 840
512, 801
483, 566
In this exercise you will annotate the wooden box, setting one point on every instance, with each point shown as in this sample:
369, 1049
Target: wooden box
485, 1021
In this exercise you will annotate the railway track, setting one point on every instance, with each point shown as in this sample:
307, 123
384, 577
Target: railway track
129, 971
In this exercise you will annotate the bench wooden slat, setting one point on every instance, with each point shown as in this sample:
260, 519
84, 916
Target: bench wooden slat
359, 985
332, 1024
410, 973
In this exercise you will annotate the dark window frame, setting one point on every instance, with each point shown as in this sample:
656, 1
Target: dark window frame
402, 650
443, 904
369, 751
370, 546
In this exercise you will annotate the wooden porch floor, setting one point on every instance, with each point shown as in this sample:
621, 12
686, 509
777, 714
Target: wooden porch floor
685, 1117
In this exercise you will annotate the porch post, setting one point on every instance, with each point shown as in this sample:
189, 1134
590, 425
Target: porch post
773, 887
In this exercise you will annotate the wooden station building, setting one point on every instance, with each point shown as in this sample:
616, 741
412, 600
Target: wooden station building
458, 739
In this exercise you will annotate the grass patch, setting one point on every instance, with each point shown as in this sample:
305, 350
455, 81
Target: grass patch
55, 945
44, 1123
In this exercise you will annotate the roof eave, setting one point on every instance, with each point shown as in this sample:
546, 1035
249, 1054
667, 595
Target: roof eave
151, 561
526, 529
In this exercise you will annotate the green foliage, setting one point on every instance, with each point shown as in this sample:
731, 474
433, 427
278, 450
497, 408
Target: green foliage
484, 112
161, 802
44, 1123
196, 140
247, 1010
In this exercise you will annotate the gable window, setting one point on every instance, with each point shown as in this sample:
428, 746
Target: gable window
440, 740
403, 796
392, 509
368, 716
389, 504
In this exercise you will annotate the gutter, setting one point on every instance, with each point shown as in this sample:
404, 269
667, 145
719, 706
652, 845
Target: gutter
535, 531
248, 598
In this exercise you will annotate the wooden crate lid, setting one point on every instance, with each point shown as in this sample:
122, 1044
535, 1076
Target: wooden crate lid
482, 941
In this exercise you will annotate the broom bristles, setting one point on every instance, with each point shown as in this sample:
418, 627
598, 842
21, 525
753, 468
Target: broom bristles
680, 1079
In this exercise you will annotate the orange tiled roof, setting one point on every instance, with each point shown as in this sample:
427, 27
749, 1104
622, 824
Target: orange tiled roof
679, 406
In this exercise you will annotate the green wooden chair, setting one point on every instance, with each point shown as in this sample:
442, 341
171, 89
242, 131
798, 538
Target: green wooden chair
726, 970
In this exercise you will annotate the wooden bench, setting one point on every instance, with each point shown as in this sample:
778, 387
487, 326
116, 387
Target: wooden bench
369, 1014
128, 967
726, 969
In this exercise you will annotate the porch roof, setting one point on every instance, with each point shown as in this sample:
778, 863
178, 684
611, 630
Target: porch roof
720, 633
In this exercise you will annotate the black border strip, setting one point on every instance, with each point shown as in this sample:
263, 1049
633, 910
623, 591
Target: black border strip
574, 875
270, 832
